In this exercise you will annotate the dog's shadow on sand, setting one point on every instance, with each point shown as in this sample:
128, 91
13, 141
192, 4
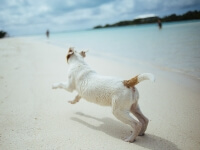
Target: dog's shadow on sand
118, 130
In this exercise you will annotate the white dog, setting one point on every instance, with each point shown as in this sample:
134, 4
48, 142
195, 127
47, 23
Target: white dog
120, 94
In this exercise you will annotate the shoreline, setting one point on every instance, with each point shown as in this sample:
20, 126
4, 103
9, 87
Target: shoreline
163, 55
127, 61
34, 116
153, 66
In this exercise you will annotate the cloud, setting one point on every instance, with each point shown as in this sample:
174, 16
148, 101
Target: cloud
28, 16
146, 15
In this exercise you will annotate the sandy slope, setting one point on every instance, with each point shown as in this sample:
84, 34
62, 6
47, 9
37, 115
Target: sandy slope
33, 116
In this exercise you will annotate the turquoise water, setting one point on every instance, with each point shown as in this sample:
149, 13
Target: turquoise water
175, 48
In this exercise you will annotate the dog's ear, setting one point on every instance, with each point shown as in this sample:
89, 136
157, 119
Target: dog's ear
70, 53
83, 53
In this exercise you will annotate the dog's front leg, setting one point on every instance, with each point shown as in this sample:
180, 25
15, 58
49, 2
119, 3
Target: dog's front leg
76, 99
63, 85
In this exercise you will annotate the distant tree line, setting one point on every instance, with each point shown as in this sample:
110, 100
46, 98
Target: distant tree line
3, 34
190, 15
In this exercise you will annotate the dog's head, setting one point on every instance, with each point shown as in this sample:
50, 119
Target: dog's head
72, 53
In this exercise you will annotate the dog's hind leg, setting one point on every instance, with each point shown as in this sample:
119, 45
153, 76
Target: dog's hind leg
135, 110
123, 115
76, 99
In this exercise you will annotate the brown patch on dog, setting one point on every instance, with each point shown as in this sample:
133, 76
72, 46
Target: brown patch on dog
70, 53
131, 83
82, 53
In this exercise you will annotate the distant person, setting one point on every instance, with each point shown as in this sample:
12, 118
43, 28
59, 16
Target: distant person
159, 24
47, 33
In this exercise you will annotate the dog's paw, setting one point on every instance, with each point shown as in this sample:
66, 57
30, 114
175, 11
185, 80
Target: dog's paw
55, 86
71, 102
129, 139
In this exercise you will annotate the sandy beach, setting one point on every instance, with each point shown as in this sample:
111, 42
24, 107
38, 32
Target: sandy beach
33, 116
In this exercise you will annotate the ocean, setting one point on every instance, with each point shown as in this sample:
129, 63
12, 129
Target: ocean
176, 47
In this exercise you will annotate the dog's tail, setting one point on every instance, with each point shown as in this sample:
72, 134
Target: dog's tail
139, 78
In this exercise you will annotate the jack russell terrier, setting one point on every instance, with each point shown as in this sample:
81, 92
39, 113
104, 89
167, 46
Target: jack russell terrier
120, 94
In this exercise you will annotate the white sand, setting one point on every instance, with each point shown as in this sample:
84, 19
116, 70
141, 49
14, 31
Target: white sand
33, 116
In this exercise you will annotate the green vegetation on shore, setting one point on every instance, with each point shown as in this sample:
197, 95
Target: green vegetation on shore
3, 34
190, 15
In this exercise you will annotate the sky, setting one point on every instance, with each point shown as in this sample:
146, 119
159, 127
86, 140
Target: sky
27, 17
